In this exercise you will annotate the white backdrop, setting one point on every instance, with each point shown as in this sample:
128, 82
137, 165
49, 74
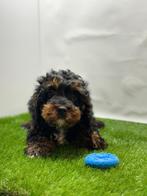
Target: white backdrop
19, 54
105, 41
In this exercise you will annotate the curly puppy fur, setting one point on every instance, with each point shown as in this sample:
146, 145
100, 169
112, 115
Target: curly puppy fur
61, 111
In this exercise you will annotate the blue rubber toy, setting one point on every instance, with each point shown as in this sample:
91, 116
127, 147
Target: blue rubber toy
101, 160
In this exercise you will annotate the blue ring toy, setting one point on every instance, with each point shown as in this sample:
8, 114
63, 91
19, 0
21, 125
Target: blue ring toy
101, 160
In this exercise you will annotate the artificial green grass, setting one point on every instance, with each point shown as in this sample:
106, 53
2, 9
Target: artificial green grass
64, 173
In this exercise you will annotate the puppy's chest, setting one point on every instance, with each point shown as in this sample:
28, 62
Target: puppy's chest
59, 136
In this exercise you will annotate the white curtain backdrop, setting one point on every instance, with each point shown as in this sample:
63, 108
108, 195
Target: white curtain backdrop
19, 52
105, 41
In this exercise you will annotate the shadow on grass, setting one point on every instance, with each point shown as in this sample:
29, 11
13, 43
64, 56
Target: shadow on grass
5, 192
68, 152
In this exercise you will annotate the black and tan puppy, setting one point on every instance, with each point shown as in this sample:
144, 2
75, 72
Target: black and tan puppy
61, 111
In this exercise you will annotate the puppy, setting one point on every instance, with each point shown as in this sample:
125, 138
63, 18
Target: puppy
61, 112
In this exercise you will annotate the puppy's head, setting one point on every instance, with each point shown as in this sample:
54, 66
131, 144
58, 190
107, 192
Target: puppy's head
62, 100
60, 112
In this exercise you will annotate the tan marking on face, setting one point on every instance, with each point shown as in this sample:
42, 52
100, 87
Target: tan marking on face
49, 112
73, 116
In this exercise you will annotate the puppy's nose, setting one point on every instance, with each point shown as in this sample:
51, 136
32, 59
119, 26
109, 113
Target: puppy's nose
62, 111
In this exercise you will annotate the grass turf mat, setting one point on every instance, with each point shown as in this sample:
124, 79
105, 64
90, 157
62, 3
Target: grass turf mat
64, 173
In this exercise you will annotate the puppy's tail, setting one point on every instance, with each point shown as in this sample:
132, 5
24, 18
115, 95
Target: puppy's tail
100, 124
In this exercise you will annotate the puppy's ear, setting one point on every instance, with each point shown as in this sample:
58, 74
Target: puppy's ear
33, 107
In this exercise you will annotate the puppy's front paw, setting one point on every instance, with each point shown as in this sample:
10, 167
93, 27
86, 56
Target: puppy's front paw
39, 149
33, 151
97, 141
